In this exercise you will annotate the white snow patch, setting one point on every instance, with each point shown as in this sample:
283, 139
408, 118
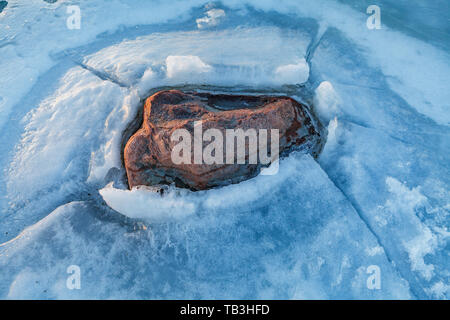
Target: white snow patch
418, 240
148, 81
185, 66
374, 251
326, 102
108, 155
142, 202
440, 290
212, 18
297, 73
333, 137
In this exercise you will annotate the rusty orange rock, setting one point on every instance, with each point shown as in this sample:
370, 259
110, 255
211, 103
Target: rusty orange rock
148, 154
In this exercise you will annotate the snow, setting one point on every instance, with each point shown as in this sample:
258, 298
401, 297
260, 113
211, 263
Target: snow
293, 73
377, 196
326, 102
145, 203
185, 66
211, 19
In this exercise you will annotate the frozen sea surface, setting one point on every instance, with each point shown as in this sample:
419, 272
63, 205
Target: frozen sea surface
376, 199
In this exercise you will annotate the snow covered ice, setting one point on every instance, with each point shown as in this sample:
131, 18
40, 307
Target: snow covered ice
377, 196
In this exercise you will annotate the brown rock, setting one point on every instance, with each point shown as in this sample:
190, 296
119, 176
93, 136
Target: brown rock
148, 153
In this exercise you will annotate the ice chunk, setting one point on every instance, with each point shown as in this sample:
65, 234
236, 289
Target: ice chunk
293, 73
246, 56
146, 203
185, 66
326, 102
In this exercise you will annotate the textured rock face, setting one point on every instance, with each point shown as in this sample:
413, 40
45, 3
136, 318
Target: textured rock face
148, 154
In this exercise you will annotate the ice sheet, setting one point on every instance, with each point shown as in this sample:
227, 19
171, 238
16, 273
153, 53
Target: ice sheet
377, 196
287, 244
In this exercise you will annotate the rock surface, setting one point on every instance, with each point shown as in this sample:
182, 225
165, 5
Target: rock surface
148, 153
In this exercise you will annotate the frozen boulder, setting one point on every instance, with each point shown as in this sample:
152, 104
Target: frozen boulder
202, 140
